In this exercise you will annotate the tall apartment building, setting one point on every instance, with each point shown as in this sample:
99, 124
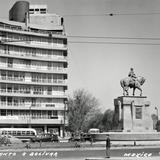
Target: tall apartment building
33, 69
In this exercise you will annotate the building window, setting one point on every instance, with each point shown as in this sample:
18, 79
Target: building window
3, 112
138, 112
9, 101
15, 102
28, 63
3, 88
3, 100
33, 102
3, 75
49, 91
53, 114
10, 62
43, 10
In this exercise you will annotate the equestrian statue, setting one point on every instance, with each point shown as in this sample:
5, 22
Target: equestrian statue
132, 81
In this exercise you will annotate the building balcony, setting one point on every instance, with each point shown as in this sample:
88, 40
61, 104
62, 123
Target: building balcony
29, 68
37, 45
30, 56
26, 106
18, 93
19, 80
17, 28
30, 120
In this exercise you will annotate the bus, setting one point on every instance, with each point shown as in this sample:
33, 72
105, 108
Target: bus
25, 134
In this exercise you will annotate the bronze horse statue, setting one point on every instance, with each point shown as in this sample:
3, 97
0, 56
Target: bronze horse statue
128, 82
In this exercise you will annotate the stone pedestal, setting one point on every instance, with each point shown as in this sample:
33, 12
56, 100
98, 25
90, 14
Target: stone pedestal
133, 114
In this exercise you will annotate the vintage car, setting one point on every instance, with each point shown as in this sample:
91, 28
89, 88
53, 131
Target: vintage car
45, 138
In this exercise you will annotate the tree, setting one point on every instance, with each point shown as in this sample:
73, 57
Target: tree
104, 122
107, 120
155, 119
81, 108
95, 121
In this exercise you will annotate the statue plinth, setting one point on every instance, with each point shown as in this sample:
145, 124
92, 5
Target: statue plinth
133, 114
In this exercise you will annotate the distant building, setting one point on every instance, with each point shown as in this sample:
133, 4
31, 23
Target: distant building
33, 69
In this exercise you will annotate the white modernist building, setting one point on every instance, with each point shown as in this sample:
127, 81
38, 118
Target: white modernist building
33, 69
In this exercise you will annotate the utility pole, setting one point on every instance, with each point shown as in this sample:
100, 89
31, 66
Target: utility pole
30, 116
64, 116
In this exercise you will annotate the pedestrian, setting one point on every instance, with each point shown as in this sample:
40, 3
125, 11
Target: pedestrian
108, 145
28, 145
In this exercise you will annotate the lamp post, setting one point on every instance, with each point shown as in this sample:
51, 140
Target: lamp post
30, 114
157, 113
64, 116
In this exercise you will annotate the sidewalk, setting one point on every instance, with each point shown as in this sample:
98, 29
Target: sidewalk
119, 158
113, 158
73, 148
125, 158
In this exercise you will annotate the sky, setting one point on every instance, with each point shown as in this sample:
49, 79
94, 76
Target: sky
99, 67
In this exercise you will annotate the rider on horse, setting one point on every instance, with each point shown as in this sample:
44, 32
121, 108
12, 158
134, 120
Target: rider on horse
132, 75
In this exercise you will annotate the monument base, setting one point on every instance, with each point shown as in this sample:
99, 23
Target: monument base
128, 136
132, 114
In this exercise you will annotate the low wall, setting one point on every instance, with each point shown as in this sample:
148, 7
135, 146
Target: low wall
128, 136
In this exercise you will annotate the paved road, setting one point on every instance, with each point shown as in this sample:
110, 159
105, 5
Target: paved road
78, 153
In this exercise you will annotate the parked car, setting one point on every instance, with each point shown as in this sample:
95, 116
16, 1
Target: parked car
82, 137
86, 137
45, 138
75, 137
93, 131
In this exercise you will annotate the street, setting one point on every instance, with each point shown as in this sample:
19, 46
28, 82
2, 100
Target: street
77, 153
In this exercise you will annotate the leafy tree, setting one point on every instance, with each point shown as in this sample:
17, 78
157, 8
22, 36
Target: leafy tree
158, 126
107, 120
81, 108
95, 122
102, 121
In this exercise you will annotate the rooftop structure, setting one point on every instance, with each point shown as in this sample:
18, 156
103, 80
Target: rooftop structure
37, 9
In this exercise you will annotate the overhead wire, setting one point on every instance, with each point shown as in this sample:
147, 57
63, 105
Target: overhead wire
113, 14
111, 37
118, 43
116, 40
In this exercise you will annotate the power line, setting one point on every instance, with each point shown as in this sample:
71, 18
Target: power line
118, 43
110, 37
83, 15
132, 14
111, 14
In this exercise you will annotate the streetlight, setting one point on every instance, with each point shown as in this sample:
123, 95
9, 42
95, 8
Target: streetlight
157, 113
30, 115
64, 116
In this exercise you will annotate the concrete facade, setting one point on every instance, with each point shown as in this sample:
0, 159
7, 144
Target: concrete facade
33, 73
134, 114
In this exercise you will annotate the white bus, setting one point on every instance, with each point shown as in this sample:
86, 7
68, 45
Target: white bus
24, 134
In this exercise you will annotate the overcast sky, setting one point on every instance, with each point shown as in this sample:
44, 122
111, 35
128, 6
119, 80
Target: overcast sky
99, 67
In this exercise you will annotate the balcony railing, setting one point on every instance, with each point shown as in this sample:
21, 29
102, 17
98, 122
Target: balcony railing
12, 78
33, 43
35, 56
14, 105
19, 28
27, 106
33, 81
32, 68
32, 92
29, 120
